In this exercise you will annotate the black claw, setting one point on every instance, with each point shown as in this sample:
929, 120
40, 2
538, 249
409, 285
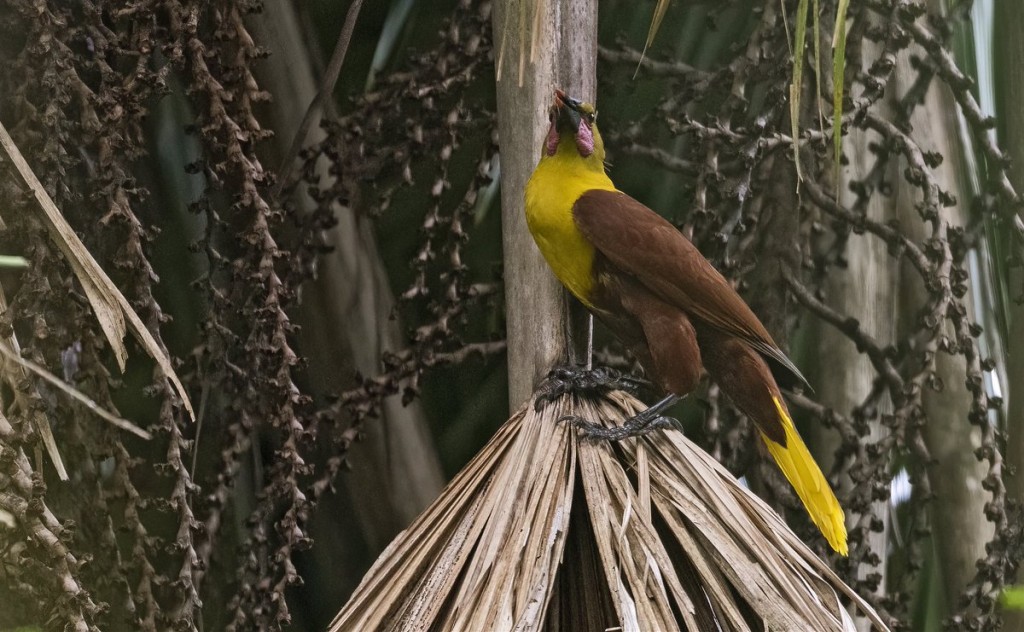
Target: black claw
583, 382
628, 383
640, 424
575, 420
633, 427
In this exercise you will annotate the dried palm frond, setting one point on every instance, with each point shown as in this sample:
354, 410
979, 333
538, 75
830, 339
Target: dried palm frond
662, 538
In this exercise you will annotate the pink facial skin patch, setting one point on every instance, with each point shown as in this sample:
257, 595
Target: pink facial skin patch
551, 143
584, 139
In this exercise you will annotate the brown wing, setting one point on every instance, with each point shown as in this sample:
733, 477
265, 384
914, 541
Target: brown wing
645, 245
659, 334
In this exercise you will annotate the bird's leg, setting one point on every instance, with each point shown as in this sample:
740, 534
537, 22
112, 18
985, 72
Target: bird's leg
642, 423
579, 381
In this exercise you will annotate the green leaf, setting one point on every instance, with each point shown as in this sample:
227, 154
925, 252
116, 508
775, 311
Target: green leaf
800, 41
12, 261
1013, 598
659, 15
398, 16
838, 83
817, 62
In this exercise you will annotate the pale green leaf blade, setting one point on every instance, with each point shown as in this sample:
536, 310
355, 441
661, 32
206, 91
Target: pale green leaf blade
659, 15
800, 41
838, 72
1013, 598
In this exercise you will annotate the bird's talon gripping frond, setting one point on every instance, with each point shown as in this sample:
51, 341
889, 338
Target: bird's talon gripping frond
583, 382
574, 420
648, 426
638, 425
630, 383
591, 430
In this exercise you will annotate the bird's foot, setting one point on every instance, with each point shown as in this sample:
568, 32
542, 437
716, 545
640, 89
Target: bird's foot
578, 381
636, 426
640, 424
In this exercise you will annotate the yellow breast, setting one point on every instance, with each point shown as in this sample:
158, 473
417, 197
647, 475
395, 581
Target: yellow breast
553, 188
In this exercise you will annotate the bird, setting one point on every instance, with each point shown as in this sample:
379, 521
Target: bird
654, 290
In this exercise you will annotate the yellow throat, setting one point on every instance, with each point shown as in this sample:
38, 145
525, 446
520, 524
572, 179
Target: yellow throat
557, 182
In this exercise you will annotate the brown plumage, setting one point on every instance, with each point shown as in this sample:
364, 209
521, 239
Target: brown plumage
664, 300
679, 313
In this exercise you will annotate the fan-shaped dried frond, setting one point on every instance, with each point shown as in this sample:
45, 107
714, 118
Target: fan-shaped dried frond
544, 530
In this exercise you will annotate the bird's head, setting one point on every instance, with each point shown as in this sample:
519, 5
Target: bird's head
573, 131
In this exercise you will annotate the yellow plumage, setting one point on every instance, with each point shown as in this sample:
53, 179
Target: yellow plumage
554, 187
803, 474
654, 287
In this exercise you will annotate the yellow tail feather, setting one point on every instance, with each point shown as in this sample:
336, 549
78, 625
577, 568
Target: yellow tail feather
803, 474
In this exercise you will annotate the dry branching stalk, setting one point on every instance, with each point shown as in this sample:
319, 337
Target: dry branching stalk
662, 538
113, 310
24, 394
8, 355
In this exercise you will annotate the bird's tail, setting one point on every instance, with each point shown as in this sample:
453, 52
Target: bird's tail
803, 474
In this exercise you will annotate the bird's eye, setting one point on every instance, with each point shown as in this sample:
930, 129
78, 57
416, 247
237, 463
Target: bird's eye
591, 117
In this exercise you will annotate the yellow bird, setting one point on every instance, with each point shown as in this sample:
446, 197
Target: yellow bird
655, 291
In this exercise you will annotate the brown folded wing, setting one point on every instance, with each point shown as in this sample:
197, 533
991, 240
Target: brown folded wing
645, 245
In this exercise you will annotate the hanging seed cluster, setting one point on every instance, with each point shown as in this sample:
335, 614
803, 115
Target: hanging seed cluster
136, 538
142, 535
732, 163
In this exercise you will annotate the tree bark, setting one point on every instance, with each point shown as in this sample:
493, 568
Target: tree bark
541, 46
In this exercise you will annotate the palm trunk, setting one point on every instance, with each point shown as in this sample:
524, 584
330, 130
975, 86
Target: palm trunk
1008, 49
865, 291
541, 45
345, 318
960, 530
